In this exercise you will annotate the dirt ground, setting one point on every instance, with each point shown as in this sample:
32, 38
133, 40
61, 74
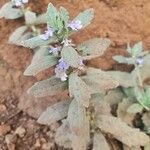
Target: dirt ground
120, 20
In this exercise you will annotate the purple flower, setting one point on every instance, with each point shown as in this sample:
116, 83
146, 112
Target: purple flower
81, 61
61, 69
139, 61
60, 74
54, 50
75, 25
48, 33
62, 64
19, 2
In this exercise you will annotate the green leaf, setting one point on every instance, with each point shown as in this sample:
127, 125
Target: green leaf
135, 108
124, 79
100, 142
146, 121
40, 62
79, 90
121, 131
94, 47
100, 105
8, 12
30, 17
37, 41
40, 19
16, 36
143, 97
71, 57
62, 136
137, 49
79, 126
124, 60
54, 113
122, 111
52, 14
147, 147
64, 14
85, 17
49, 87
106, 80
114, 96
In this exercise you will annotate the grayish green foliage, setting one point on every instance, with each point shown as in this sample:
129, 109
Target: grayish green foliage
124, 60
71, 57
116, 127
8, 12
17, 35
30, 17
41, 61
85, 17
37, 41
52, 15
79, 90
143, 97
79, 126
63, 135
94, 47
105, 80
135, 108
54, 113
100, 143
64, 14
40, 19
48, 87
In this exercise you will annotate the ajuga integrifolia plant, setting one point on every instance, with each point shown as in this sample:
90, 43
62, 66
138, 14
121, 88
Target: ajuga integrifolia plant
86, 114
16, 9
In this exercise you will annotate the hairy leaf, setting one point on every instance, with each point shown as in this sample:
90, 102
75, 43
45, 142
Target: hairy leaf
100, 81
94, 47
49, 87
30, 17
79, 90
63, 134
64, 14
122, 111
8, 12
85, 17
37, 41
17, 35
40, 19
114, 97
131, 148
109, 79
121, 131
100, 105
146, 121
54, 113
137, 49
147, 147
143, 97
100, 142
135, 108
124, 60
79, 126
52, 14
40, 62
71, 57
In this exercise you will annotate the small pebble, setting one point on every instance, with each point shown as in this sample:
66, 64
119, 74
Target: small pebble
4, 129
20, 131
